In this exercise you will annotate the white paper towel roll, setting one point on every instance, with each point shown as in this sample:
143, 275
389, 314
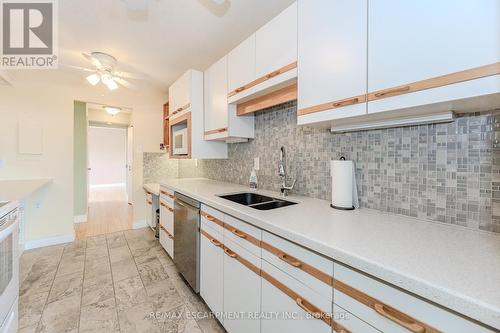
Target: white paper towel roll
344, 191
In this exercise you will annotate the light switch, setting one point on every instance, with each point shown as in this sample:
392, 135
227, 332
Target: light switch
256, 163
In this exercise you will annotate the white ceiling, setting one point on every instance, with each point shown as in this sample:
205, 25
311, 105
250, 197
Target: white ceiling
164, 41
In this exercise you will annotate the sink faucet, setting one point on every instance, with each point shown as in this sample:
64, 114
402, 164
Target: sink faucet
282, 173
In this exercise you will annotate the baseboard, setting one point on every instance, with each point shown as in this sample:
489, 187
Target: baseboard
80, 219
34, 244
108, 185
139, 224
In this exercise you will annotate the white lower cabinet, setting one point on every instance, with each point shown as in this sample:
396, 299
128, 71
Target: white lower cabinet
211, 271
288, 316
242, 290
167, 241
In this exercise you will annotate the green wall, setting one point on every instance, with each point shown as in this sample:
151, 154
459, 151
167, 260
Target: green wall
80, 158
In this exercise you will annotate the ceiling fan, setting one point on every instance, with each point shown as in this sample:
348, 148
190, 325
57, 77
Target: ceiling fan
105, 71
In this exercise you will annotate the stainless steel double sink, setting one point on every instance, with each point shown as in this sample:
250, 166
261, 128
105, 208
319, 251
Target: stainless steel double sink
257, 201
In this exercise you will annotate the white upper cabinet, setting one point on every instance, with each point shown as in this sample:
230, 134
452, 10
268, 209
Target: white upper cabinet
332, 46
411, 41
221, 122
216, 107
180, 95
241, 64
276, 42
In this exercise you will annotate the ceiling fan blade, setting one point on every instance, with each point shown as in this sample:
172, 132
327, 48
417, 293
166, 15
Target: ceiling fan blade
93, 60
78, 68
134, 76
124, 82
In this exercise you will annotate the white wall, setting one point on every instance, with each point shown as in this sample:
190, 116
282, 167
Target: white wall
107, 155
48, 96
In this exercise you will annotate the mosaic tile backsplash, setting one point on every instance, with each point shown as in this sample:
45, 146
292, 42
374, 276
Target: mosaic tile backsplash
442, 172
157, 166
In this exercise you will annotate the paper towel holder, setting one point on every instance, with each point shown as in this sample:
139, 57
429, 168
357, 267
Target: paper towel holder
342, 158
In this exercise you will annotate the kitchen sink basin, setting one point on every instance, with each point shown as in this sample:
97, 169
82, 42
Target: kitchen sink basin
257, 201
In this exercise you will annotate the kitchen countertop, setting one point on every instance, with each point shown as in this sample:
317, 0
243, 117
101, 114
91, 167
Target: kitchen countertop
17, 189
152, 187
452, 266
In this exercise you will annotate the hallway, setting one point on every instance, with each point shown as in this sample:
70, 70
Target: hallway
108, 212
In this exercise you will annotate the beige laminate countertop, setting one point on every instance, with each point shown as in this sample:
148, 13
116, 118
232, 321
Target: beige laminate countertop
152, 188
449, 265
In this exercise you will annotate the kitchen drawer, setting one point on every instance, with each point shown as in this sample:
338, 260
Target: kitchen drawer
210, 228
243, 234
167, 196
167, 241
390, 309
289, 299
352, 323
213, 218
167, 216
310, 268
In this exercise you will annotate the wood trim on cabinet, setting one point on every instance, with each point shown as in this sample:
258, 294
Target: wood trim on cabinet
166, 231
304, 304
435, 82
171, 196
241, 234
275, 98
212, 219
212, 239
215, 131
167, 207
438, 81
184, 118
294, 262
263, 78
230, 253
185, 107
387, 311
149, 202
333, 105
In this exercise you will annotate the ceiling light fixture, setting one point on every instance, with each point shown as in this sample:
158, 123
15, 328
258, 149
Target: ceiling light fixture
112, 110
109, 81
93, 79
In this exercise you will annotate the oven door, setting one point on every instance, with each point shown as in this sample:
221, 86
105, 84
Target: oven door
9, 264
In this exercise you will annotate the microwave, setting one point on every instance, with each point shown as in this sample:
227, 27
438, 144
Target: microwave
180, 142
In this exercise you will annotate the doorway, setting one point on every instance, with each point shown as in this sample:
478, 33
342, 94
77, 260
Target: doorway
107, 150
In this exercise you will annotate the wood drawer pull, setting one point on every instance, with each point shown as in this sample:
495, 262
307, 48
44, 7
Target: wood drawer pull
238, 233
240, 89
210, 218
163, 192
170, 236
167, 207
167, 194
230, 253
346, 102
392, 91
398, 318
309, 308
149, 202
273, 74
215, 242
289, 259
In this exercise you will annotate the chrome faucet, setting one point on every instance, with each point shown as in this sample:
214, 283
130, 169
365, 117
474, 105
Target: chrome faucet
282, 173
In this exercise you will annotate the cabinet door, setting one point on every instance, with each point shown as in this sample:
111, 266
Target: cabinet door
332, 44
241, 64
211, 272
167, 217
149, 213
216, 108
276, 42
241, 290
179, 94
411, 41
291, 318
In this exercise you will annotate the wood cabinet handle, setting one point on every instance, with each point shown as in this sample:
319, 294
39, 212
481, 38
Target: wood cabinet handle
346, 102
170, 236
222, 130
398, 318
179, 109
167, 207
289, 259
309, 308
210, 218
171, 196
163, 192
215, 242
230, 253
238, 233
273, 74
149, 202
392, 91
240, 89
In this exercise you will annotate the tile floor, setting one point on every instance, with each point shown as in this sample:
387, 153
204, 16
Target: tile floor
108, 283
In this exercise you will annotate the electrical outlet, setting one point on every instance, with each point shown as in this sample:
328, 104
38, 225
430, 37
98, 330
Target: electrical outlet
256, 163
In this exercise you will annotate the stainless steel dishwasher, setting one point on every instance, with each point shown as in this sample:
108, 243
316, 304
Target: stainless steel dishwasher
187, 239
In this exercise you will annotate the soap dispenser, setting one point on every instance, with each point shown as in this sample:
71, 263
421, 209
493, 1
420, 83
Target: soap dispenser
253, 179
